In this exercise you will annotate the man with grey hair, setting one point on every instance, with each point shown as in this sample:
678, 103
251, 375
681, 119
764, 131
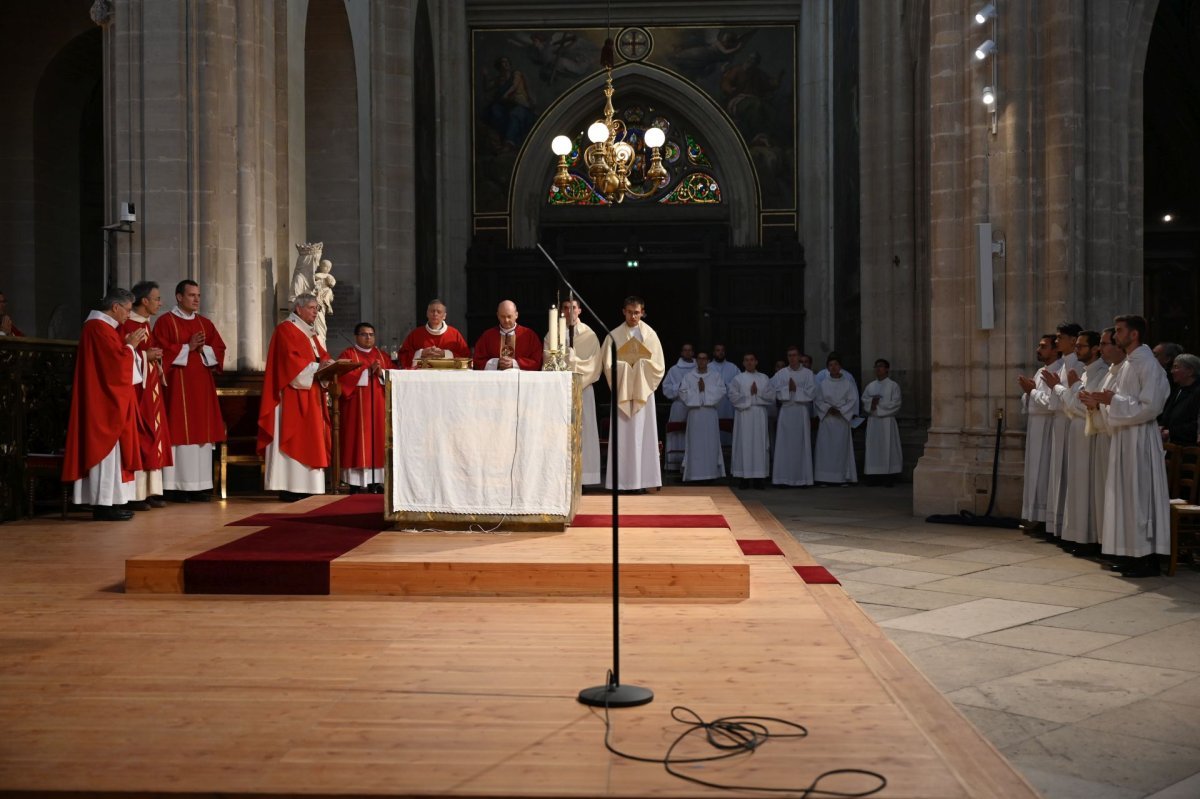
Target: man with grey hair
293, 419
102, 453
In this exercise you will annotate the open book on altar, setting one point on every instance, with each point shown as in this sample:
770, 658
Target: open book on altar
335, 369
633, 351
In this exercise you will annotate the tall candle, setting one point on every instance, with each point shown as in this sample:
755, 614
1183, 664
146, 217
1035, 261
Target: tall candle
552, 329
562, 332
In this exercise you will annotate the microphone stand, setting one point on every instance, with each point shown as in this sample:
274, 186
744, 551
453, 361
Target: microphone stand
374, 450
613, 693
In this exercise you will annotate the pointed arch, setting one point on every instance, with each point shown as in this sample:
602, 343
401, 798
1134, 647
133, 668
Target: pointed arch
535, 164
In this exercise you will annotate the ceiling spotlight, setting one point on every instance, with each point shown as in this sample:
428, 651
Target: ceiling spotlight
985, 49
1167, 217
985, 13
989, 96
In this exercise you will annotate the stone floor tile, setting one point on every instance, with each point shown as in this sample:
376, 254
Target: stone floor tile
967, 540
1176, 647
868, 557
963, 663
1187, 693
916, 598
1145, 765
1056, 785
997, 557
838, 568
1051, 639
889, 575
976, 617
914, 642
1184, 590
1153, 719
1102, 581
858, 589
1005, 729
1129, 615
1070, 690
884, 612
1065, 562
807, 536
1188, 788
1024, 573
943, 566
972, 585
819, 548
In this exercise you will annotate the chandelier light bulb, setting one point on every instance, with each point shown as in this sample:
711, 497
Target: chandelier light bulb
989, 96
597, 132
985, 13
561, 145
985, 49
655, 137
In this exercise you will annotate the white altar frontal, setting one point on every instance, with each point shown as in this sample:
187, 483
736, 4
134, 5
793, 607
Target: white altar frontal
483, 450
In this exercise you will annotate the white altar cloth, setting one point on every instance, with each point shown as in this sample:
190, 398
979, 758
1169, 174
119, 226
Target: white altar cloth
475, 442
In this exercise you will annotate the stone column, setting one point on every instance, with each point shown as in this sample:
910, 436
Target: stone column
895, 277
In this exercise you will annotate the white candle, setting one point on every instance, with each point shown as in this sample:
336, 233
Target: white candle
552, 329
562, 332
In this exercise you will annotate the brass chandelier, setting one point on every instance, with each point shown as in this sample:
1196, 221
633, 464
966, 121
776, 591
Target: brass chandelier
610, 156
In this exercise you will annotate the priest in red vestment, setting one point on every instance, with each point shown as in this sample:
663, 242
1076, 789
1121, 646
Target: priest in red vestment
293, 420
101, 453
7, 328
153, 434
434, 339
362, 404
192, 352
509, 346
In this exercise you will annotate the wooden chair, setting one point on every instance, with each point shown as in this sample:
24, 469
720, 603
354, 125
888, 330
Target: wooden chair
239, 409
1183, 471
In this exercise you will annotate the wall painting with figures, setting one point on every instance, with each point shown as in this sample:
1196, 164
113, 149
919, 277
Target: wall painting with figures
748, 71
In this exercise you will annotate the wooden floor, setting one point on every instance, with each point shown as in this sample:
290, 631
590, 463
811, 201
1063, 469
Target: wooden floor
107, 691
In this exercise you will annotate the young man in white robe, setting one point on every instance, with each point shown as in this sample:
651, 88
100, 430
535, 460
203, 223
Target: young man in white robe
584, 356
823, 375
1056, 489
633, 402
1078, 529
1136, 520
750, 393
701, 392
677, 419
793, 387
727, 371
836, 401
1035, 404
1097, 429
883, 458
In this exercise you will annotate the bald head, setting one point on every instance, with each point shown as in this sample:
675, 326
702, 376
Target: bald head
506, 314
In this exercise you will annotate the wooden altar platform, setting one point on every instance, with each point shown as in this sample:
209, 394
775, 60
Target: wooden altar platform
103, 691
675, 562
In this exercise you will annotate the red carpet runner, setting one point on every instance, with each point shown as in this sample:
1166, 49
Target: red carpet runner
292, 555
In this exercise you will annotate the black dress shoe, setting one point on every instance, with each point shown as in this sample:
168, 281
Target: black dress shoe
176, 496
356, 490
156, 502
1142, 567
377, 488
200, 496
111, 513
138, 504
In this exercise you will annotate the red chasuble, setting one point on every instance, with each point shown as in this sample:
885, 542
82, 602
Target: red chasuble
421, 338
153, 432
193, 412
303, 416
528, 346
361, 449
103, 404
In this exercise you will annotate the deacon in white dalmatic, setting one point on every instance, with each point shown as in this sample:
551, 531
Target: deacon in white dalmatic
702, 391
881, 403
639, 370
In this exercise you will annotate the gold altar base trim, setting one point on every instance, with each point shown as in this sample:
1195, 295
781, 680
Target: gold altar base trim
421, 522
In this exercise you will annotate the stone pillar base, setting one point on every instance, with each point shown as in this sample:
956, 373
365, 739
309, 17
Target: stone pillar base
955, 474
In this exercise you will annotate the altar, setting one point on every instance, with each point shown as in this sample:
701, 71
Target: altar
482, 450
